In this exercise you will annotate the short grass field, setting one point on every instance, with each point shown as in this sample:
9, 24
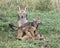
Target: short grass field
50, 28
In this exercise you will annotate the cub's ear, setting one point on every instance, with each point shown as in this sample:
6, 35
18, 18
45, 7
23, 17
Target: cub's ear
39, 18
34, 19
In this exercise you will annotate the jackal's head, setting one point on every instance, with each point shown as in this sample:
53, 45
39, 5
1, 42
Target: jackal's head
22, 13
37, 21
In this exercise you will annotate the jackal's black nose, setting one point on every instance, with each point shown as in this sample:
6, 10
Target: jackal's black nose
21, 16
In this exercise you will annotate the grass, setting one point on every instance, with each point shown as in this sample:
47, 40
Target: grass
50, 28
50, 24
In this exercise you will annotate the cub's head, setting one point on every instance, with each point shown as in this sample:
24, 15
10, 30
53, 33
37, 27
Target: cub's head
37, 21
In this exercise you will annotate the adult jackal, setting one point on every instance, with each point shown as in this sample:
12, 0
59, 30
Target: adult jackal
22, 16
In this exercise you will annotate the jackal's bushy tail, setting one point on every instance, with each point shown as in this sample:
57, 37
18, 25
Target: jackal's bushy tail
13, 27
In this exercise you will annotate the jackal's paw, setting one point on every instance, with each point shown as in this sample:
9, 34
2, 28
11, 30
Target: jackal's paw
19, 38
42, 37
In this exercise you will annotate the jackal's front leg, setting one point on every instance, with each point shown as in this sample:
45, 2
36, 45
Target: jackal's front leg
19, 23
20, 33
27, 36
36, 35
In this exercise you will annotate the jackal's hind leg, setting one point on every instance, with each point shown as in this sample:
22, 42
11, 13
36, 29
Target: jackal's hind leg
37, 37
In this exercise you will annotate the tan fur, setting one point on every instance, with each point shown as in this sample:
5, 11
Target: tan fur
29, 35
29, 30
21, 30
19, 23
22, 13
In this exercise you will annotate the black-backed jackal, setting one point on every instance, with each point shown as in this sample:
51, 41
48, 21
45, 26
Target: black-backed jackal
22, 16
28, 30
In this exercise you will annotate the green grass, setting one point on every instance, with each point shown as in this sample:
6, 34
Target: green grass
50, 28
50, 24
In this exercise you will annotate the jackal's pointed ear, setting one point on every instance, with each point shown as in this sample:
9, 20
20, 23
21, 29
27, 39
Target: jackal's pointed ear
38, 20
18, 8
34, 19
26, 8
